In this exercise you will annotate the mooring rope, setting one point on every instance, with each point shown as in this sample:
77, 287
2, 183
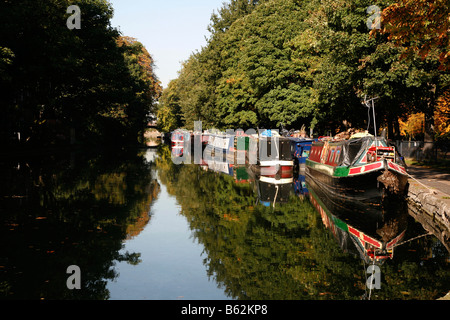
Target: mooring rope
429, 188
412, 239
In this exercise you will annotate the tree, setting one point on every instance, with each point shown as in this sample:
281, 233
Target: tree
62, 84
442, 116
144, 88
263, 85
420, 27
420, 30
169, 109
285, 62
413, 126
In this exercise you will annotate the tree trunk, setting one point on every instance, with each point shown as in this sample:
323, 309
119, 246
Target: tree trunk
429, 133
396, 125
429, 137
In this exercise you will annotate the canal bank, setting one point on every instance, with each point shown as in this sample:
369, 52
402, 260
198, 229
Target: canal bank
429, 203
430, 191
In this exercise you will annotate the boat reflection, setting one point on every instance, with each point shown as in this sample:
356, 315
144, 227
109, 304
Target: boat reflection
300, 187
254, 222
370, 231
371, 234
221, 166
272, 185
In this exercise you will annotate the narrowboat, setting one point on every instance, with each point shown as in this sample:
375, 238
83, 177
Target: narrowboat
221, 144
178, 137
364, 168
300, 149
242, 142
177, 151
180, 143
271, 153
200, 139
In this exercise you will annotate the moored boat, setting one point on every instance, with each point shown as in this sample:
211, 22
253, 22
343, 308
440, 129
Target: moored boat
220, 144
178, 137
177, 151
200, 139
364, 168
271, 153
180, 143
300, 149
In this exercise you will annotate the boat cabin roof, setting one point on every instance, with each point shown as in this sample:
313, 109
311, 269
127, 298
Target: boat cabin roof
353, 149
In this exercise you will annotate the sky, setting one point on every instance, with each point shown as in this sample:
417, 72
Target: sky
170, 30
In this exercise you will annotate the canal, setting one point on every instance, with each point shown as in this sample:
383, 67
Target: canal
138, 226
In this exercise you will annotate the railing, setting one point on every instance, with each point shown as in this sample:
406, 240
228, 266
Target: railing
415, 150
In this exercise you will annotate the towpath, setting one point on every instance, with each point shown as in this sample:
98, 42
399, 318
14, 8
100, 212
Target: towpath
431, 178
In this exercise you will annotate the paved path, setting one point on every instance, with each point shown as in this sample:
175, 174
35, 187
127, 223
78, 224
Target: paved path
431, 178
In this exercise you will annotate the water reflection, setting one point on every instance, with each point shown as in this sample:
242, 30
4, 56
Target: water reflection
59, 210
262, 236
267, 245
373, 242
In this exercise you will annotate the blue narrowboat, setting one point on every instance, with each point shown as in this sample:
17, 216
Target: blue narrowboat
300, 148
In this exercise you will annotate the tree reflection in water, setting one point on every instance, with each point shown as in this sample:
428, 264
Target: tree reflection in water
260, 251
58, 211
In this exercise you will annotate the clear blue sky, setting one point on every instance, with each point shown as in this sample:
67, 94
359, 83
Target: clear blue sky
170, 30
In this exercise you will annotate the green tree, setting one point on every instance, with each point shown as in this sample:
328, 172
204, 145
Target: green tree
262, 84
169, 110
60, 83
285, 62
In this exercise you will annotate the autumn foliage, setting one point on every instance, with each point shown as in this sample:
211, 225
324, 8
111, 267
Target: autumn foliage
442, 115
421, 27
413, 126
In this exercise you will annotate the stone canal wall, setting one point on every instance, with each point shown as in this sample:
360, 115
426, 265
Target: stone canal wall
432, 208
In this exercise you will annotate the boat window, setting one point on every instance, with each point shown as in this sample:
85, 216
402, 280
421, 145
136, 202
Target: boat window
338, 153
331, 155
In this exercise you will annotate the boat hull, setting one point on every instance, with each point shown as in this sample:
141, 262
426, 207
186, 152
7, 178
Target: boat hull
270, 151
364, 188
365, 170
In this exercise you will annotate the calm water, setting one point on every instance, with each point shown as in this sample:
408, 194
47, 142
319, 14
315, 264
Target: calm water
140, 227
